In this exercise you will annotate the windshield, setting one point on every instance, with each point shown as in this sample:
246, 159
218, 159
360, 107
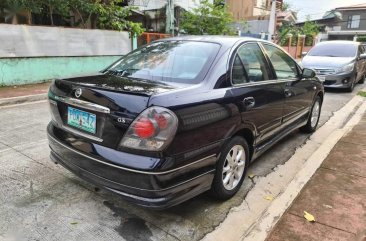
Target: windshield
168, 61
334, 50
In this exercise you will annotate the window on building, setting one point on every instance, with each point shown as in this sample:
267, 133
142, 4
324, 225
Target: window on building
353, 21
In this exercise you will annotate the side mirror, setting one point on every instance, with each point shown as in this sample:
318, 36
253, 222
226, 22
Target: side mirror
303, 54
308, 73
362, 56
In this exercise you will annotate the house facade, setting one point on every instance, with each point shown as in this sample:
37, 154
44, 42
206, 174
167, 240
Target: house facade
249, 9
352, 24
344, 23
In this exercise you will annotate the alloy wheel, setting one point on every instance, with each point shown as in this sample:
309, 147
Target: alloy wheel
315, 114
233, 167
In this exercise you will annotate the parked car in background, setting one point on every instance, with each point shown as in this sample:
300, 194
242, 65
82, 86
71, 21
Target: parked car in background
340, 64
180, 116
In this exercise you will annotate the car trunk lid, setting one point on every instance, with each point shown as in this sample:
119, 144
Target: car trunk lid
99, 108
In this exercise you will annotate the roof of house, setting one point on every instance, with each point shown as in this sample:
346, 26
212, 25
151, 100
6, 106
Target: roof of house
353, 7
287, 15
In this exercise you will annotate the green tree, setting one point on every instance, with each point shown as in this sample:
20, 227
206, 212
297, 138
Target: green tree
13, 9
361, 38
208, 18
107, 14
61, 7
310, 29
113, 16
286, 6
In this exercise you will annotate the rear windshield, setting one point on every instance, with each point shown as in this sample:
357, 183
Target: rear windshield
334, 50
168, 61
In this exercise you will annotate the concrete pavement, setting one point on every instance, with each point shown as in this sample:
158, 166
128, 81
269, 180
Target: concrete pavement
335, 195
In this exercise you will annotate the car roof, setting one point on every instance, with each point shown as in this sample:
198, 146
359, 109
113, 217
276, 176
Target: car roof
345, 42
228, 41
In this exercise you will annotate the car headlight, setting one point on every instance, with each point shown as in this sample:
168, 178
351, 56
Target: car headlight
346, 68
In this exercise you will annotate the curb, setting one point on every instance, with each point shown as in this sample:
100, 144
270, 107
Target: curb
256, 217
22, 99
279, 206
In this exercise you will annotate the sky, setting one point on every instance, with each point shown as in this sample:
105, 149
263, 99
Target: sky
317, 8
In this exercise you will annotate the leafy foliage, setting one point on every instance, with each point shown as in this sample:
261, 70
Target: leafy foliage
286, 6
11, 9
113, 16
107, 14
309, 29
362, 93
361, 38
208, 18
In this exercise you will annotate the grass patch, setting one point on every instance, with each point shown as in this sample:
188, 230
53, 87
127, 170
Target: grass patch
362, 93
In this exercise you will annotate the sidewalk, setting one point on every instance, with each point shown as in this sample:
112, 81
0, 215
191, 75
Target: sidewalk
335, 196
23, 93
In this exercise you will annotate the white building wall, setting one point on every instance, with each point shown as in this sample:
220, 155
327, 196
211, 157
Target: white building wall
259, 10
39, 41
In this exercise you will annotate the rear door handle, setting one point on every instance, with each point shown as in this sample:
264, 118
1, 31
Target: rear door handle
288, 93
249, 102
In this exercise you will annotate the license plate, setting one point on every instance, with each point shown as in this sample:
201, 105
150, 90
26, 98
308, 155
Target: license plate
321, 78
81, 119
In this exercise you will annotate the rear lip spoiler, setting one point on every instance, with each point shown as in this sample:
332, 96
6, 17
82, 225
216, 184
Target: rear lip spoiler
81, 103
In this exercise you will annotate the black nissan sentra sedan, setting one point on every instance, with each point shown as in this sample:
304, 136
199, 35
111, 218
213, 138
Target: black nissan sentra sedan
180, 116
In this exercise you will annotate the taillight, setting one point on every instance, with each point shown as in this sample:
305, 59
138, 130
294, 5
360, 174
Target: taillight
162, 121
144, 128
152, 130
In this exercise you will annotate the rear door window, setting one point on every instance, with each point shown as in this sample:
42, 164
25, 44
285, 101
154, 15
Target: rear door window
249, 65
284, 66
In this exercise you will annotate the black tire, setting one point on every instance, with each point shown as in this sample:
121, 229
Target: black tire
311, 127
353, 83
218, 189
362, 80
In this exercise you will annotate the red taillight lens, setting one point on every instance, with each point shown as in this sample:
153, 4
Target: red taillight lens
161, 121
144, 128
152, 130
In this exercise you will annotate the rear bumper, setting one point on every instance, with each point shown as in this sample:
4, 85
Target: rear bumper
155, 189
340, 81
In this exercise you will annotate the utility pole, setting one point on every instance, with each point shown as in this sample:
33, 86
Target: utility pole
169, 26
272, 21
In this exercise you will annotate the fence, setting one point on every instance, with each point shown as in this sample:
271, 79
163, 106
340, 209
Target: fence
296, 51
146, 38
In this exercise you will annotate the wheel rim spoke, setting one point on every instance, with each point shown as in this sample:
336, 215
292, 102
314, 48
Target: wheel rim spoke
239, 156
229, 159
227, 178
241, 163
237, 174
226, 168
235, 154
231, 181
